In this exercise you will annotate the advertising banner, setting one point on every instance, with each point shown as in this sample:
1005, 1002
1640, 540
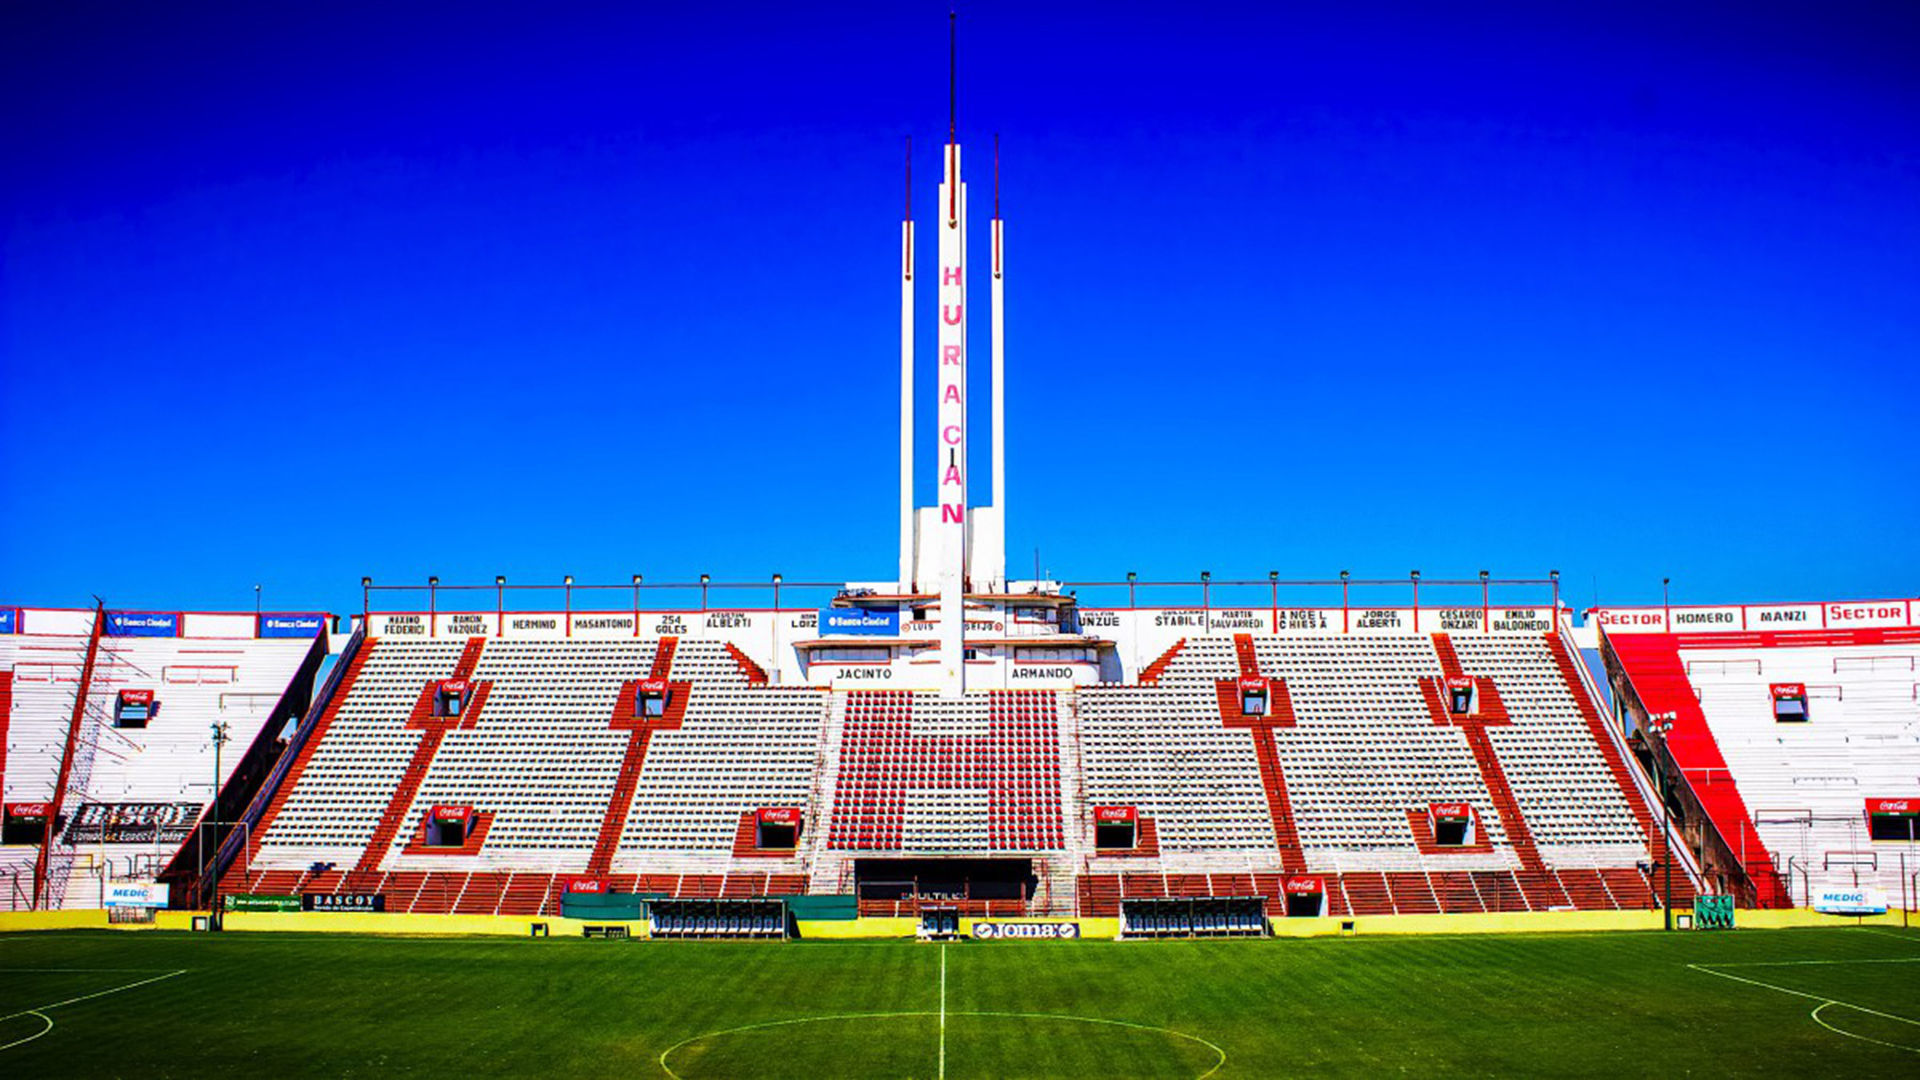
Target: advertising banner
1850, 901
356, 902
143, 623
1045, 931
136, 894
9, 620
291, 626
262, 902
859, 621
132, 823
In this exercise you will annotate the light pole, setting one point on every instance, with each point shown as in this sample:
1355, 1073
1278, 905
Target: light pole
500, 603
776, 594
1416, 601
1344, 576
433, 604
366, 588
1659, 724
1486, 606
568, 582
213, 906
1273, 579
636, 605
703, 591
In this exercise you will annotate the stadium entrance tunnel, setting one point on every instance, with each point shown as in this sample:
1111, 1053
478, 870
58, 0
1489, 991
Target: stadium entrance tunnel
1182, 917
966, 885
977, 1045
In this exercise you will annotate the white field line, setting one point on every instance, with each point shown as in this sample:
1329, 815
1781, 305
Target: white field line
40, 1010
1810, 963
943, 1011
1824, 1001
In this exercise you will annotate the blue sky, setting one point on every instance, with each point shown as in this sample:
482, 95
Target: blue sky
290, 297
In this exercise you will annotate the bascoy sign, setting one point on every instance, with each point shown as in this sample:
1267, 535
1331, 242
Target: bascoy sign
355, 902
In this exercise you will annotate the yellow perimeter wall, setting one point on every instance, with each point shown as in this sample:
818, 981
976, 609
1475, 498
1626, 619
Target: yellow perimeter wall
519, 925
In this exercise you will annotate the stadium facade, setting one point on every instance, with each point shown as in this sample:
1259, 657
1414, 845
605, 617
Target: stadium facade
951, 742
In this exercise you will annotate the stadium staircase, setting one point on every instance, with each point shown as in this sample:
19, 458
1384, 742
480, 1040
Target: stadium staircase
280, 785
50, 874
1273, 779
1658, 677
1543, 891
1633, 785
1150, 675
434, 732
640, 732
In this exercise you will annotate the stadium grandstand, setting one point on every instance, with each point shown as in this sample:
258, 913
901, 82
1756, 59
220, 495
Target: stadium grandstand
113, 725
949, 743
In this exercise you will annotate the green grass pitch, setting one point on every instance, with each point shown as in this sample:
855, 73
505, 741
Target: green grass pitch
1840, 1001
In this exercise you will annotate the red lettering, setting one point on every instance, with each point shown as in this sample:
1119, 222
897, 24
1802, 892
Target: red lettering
949, 354
952, 394
950, 313
951, 434
953, 475
952, 514
950, 275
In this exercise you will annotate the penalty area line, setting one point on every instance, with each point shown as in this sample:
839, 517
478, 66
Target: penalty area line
40, 1010
1826, 1002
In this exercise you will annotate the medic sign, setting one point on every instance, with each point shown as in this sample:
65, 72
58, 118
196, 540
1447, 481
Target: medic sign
290, 626
1450, 811
452, 813
780, 815
859, 621
1907, 807
1111, 814
1304, 886
143, 623
1787, 691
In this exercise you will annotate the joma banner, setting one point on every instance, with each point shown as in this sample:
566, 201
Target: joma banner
1044, 931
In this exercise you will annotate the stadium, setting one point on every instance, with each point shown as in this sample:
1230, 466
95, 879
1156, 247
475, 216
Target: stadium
952, 818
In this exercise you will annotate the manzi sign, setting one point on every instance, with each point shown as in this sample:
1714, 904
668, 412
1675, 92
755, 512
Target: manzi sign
1045, 931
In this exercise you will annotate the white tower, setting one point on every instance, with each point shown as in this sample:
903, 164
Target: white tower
952, 547
951, 441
